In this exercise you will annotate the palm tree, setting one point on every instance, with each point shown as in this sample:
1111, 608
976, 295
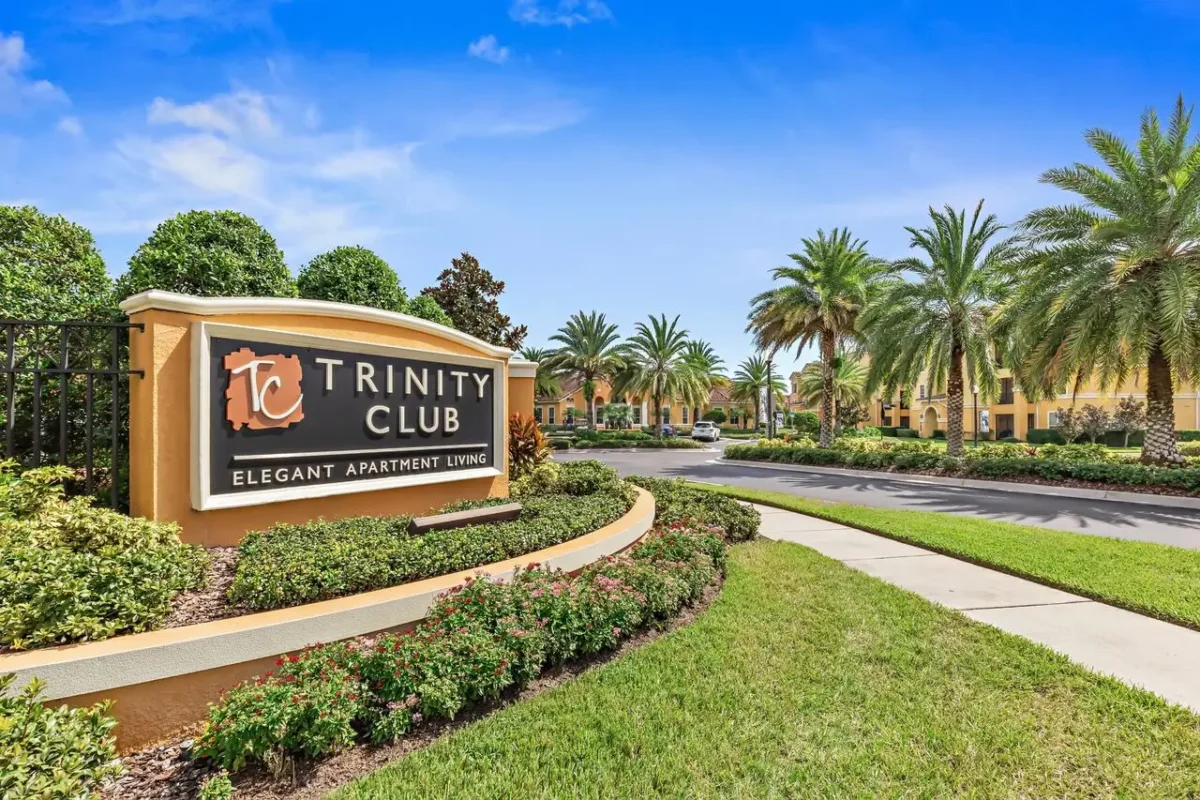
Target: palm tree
704, 358
849, 382
1112, 286
750, 382
546, 381
588, 348
833, 280
945, 319
656, 366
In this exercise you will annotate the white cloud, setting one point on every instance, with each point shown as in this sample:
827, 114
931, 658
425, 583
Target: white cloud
70, 126
568, 13
17, 89
201, 161
238, 112
364, 162
487, 48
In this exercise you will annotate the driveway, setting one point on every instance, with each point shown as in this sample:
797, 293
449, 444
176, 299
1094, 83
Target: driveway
1166, 525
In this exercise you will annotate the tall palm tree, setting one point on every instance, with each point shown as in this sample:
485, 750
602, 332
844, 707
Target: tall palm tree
750, 383
546, 380
704, 358
588, 347
1112, 285
849, 382
656, 366
832, 281
945, 319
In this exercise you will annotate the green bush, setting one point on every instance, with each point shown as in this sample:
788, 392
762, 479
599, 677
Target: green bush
715, 415
1062, 462
50, 269
808, 423
353, 275
290, 564
1044, 436
426, 307
907, 433
50, 752
211, 254
938, 433
71, 572
477, 640
675, 501
1188, 436
888, 430
218, 787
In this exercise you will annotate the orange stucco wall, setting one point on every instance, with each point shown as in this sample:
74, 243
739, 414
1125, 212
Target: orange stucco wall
520, 396
160, 425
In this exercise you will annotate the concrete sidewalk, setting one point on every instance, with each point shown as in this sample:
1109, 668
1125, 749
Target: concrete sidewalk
1145, 652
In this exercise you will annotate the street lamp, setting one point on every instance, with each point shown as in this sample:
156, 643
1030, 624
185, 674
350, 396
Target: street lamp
975, 405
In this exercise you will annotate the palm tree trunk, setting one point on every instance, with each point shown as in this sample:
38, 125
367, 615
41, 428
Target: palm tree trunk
954, 405
1159, 446
828, 413
658, 431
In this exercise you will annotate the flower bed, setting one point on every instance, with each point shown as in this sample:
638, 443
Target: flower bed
479, 640
1083, 464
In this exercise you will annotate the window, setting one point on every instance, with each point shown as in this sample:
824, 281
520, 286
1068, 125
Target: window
1006, 391
922, 394
1004, 425
1030, 422
537, 413
1052, 419
683, 414
666, 414
904, 403
637, 415
550, 414
887, 420
904, 422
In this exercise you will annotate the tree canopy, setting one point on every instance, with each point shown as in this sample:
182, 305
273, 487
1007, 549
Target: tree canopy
50, 269
352, 275
468, 294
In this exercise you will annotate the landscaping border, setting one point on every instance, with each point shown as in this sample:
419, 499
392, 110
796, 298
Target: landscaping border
1016, 487
163, 680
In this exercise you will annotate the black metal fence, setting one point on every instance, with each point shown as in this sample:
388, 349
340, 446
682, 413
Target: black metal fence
65, 401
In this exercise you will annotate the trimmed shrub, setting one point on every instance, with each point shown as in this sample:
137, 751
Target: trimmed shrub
353, 275
715, 415
210, 254
50, 268
938, 433
48, 752
907, 433
290, 564
71, 572
676, 502
888, 430
1044, 436
1188, 436
1077, 452
807, 422
426, 307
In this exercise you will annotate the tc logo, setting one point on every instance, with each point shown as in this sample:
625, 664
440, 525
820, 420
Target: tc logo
264, 391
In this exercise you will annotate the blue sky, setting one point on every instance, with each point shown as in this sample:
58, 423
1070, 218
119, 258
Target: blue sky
630, 157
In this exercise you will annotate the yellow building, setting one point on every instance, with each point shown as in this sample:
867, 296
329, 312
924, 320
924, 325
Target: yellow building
570, 401
1011, 414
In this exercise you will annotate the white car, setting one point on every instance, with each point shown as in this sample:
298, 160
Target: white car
706, 431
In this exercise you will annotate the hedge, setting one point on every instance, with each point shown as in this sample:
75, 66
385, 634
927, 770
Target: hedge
1058, 468
479, 639
289, 564
676, 501
907, 433
648, 444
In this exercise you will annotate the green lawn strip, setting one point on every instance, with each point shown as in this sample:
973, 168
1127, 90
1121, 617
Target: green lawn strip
1152, 579
806, 678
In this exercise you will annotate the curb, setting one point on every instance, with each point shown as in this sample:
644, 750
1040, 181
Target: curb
1135, 498
573, 451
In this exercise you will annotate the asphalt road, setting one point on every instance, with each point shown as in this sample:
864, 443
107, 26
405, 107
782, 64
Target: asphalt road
1174, 526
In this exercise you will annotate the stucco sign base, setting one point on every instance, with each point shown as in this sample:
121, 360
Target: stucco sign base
162, 681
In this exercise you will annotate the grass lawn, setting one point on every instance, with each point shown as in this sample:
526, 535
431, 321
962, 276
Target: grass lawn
1152, 579
806, 678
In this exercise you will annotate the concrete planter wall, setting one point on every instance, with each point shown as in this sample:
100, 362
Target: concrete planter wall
162, 681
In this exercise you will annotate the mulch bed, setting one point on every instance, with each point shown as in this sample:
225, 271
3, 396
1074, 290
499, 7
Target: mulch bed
167, 772
208, 603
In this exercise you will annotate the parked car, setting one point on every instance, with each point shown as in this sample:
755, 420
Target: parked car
706, 431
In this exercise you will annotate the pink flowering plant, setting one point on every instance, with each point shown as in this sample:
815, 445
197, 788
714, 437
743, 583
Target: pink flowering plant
478, 640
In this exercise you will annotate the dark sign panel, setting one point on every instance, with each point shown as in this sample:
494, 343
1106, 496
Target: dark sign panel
283, 416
